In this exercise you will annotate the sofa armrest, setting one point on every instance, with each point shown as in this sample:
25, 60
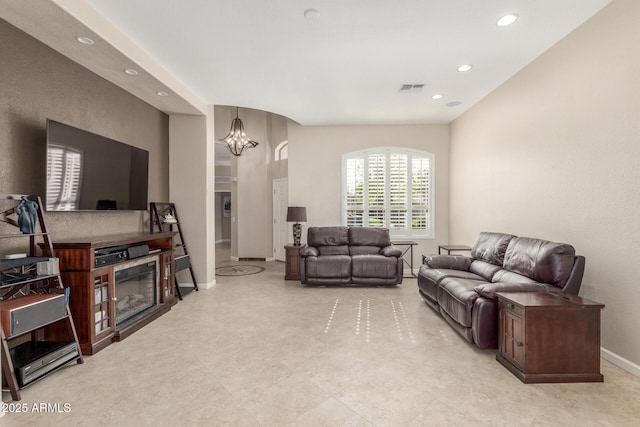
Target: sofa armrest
488, 290
390, 251
309, 251
451, 262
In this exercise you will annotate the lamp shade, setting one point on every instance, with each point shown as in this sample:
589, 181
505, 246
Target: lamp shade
297, 214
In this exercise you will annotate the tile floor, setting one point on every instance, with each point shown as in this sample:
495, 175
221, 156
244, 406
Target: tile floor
260, 351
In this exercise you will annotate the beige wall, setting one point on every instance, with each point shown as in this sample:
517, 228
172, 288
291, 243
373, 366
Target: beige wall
250, 197
253, 174
192, 170
38, 83
553, 153
315, 169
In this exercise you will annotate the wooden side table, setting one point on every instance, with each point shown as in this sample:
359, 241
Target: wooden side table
292, 256
549, 338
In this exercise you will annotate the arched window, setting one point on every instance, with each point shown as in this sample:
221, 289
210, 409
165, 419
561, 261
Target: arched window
282, 151
389, 187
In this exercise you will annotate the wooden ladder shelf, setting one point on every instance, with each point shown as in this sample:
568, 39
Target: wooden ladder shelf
158, 223
49, 332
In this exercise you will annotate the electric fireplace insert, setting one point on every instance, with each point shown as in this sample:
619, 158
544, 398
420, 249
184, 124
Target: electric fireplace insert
135, 290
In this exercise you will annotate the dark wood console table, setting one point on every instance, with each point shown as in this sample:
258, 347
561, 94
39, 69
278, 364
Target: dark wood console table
93, 294
549, 338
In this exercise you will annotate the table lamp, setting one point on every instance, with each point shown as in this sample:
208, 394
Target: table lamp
297, 214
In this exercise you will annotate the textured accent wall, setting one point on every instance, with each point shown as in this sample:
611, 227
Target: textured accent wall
553, 153
37, 83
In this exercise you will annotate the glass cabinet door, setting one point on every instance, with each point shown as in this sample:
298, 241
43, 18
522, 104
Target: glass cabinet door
103, 302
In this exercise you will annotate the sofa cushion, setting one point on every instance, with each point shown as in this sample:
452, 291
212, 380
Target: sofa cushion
436, 275
369, 236
364, 250
430, 278
333, 250
540, 260
484, 269
327, 236
456, 297
374, 266
328, 266
503, 275
491, 247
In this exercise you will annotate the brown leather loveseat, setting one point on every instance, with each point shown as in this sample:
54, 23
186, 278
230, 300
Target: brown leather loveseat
350, 256
463, 289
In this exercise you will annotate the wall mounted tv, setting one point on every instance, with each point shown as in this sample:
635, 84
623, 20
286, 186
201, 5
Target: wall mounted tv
89, 172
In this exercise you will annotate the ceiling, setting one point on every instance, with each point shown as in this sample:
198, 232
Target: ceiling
344, 67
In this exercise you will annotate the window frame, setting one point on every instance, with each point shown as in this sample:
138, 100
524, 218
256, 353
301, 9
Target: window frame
429, 231
280, 148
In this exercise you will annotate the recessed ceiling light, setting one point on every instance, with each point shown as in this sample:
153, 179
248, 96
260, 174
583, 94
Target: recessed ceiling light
131, 72
507, 20
85, 40
162, 93
311, 14
465, 67
437, 96
453, 103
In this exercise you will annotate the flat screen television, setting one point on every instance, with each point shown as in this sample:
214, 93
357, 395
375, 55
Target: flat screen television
89, 172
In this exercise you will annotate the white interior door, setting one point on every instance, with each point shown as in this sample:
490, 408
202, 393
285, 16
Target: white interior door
280, 226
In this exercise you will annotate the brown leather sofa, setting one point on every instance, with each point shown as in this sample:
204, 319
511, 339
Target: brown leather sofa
350, 256
463, 289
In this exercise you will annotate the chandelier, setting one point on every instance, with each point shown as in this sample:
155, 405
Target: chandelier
237, 140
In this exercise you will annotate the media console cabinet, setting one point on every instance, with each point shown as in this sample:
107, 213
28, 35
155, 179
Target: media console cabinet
119, 283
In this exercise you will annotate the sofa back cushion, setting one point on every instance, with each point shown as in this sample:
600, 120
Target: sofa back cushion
540, 260
327, 236
484, 269
369, 236
491, 247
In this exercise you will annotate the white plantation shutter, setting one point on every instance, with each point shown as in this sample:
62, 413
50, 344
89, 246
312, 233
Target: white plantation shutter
398, 191
64, 170
376, 190
420, 193
354, 180
390, 188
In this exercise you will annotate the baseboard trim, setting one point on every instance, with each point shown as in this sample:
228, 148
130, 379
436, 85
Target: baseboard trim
204, 286
620, 361
270, 259
251, 259
234, 258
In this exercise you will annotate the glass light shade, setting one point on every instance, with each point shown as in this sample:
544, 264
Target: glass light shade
237, 141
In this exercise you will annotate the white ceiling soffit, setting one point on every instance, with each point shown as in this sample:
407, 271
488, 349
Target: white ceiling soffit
345, 66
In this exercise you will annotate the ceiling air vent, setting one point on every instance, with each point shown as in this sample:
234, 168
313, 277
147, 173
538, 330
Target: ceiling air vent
411, 88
